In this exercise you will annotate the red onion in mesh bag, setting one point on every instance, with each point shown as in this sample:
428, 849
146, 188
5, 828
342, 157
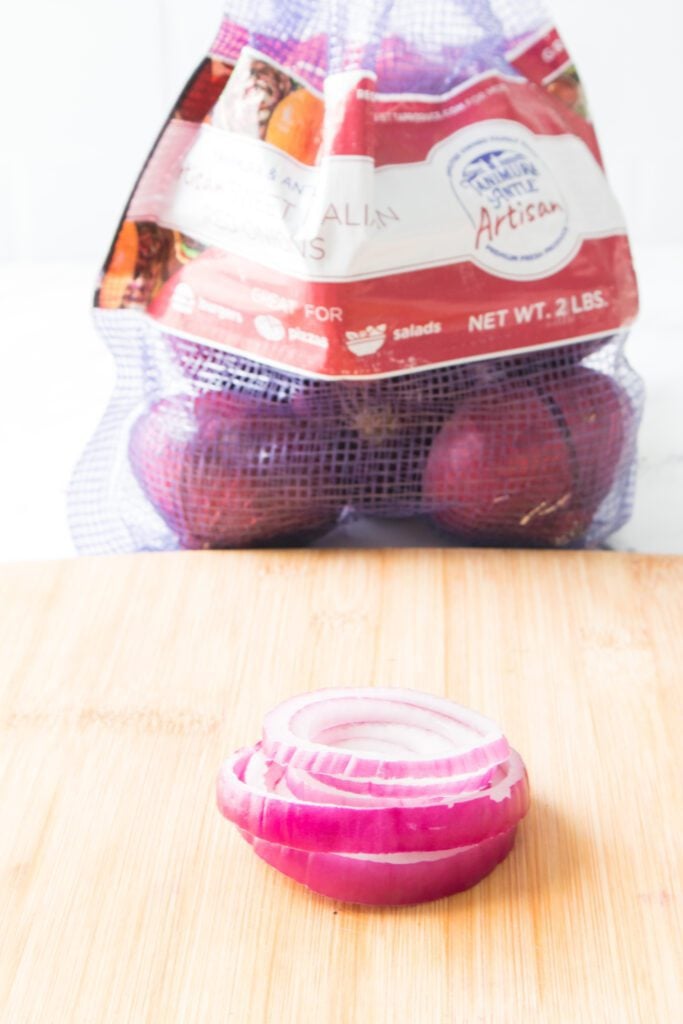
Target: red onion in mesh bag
529, 462
226, 472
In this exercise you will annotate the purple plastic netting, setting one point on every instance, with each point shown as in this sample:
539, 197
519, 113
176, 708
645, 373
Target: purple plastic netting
424, 48
320, 450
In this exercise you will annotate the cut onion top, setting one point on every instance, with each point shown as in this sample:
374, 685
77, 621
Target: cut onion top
381, 733
266, 808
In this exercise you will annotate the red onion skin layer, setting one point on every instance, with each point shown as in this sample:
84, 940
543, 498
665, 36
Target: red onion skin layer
289, 735
403, 828
378, 883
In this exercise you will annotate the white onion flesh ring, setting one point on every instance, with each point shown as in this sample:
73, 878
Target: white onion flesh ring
381, 733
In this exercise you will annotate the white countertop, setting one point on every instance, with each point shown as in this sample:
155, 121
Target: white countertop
57, 377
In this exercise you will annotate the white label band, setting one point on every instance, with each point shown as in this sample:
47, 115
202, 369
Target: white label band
494, 193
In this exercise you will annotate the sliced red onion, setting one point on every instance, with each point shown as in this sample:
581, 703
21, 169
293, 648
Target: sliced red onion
377, 796
389, 879
381, 733
267, 809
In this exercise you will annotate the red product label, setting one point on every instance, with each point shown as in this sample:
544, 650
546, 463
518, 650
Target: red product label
356, 234
383, 326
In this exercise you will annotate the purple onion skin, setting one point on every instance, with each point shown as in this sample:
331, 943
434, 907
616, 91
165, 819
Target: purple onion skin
226, 472
405, 828
377, 883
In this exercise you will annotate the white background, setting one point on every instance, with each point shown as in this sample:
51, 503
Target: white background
85, 86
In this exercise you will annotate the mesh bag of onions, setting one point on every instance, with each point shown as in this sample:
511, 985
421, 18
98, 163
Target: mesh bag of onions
371, 267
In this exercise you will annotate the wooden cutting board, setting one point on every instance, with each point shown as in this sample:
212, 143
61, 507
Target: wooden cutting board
125, 897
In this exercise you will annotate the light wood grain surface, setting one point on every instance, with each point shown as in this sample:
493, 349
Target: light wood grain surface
125, 897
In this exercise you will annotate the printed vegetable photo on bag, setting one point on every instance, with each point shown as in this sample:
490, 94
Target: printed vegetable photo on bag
372, 267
